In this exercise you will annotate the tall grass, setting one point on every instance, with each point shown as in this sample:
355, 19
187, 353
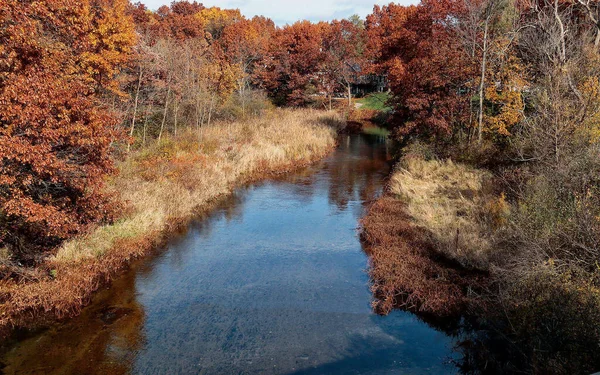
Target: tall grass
169, 180
430, 239
455, 203
163, 187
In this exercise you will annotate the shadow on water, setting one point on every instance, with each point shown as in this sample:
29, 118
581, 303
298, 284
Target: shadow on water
272, 281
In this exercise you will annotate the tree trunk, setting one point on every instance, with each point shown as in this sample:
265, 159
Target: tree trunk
482, 83
203, 115
135, 107
210, 109
176, 113
563, 44
349, 96
145, 126
164, 119
242, 94
197, 111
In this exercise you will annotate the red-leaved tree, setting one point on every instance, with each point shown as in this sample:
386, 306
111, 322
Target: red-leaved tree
428, 71
54, 137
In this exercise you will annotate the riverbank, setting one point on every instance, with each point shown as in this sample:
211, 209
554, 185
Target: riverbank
426, 239
164, 186
445, 242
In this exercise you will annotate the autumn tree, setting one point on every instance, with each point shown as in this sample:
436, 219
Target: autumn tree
290, 72
54, 137
419, 49
185, 66
245, 44
216, 20
179, 21
344, 46
110, 41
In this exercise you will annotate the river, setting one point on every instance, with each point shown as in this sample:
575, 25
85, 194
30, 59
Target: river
273, 281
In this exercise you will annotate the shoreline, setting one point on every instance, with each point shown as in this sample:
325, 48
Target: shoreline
424, 242
75, 277
405, 269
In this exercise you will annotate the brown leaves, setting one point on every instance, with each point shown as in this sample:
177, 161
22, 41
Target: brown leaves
54, 140
427, 69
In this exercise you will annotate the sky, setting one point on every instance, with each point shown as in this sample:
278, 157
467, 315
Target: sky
289, 11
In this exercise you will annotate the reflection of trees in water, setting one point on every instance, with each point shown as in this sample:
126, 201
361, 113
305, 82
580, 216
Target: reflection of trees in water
359, 175
301, 183
103, 340
546, 347
483, 346
228, 208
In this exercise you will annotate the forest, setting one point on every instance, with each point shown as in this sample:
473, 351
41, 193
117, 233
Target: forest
491, 216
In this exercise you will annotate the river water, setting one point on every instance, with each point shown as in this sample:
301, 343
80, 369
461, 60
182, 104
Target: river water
273, 281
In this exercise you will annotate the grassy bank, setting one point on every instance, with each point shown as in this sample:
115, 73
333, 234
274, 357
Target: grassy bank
445, 242
375, 101
163, 187
428, 240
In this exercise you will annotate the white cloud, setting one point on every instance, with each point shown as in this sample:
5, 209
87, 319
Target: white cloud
289, 11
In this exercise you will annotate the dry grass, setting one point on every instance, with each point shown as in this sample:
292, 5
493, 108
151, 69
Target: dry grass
455, 204
168, 181
164, 187
430, 239
405, 269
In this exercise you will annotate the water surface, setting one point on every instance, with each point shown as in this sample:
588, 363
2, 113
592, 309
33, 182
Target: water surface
272, 282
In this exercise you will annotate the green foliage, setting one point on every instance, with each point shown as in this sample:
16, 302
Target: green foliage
376, 101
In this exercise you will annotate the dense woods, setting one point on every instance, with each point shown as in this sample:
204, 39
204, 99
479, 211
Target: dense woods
507, 86
57, 60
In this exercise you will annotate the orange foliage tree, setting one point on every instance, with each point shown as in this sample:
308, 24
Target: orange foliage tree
245, 44
54, 138
291, 68
428, 71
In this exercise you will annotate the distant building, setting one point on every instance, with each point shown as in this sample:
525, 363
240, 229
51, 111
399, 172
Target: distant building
366, 84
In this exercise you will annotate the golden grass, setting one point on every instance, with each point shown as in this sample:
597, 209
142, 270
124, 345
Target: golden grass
430, 239
454, 203
164, 186
406, 270
170, 180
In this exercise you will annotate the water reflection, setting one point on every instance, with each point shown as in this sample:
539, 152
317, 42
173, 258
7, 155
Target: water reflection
104, 339
272, 281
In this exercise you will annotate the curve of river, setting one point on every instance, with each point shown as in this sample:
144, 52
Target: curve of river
271, 282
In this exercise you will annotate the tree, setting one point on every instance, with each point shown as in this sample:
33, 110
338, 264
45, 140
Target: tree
216, 20
245, 44
344, 45
489, 30
428, 73
180, 21
290, 70
54, 137
109, 41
